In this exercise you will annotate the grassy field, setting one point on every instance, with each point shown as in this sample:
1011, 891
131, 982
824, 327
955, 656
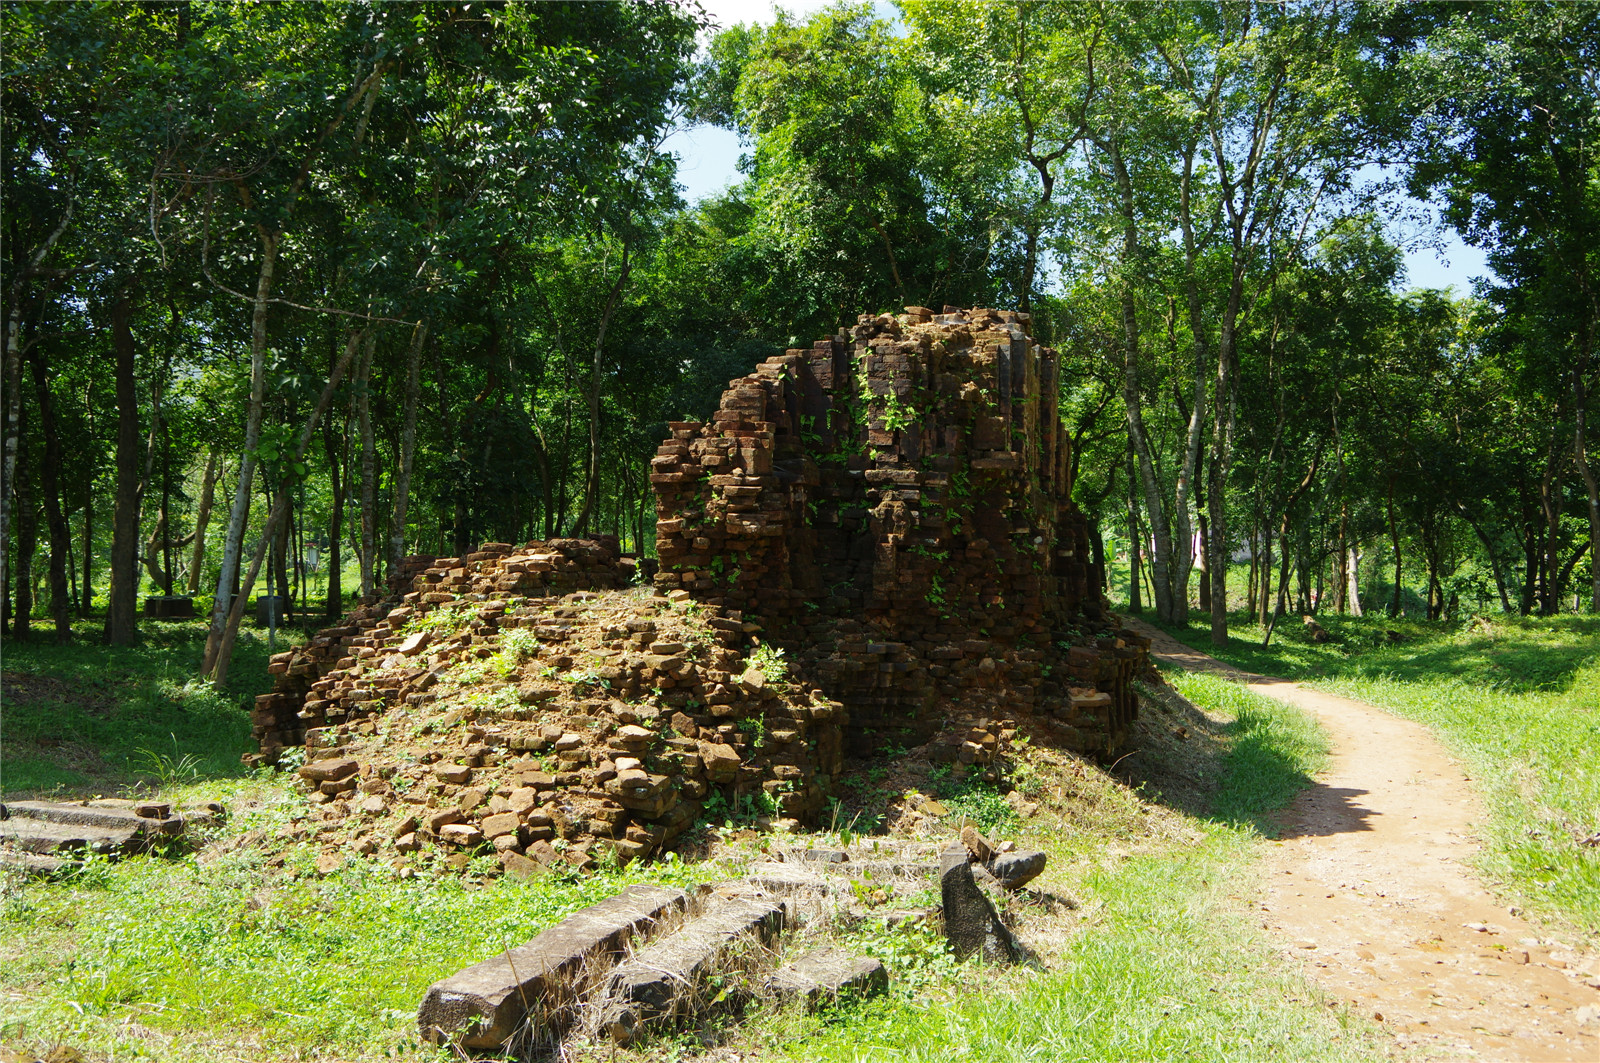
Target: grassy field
240, 951
87, 718
1517, 699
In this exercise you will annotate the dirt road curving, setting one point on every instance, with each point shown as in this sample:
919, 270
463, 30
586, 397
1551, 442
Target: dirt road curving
1371, 888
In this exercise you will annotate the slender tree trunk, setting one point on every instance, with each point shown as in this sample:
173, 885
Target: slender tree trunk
233, 541
1342, 563
408, 442
1495, 567
27, 537
1394, 538
591, 488
202, 521
1160, 564
11, 378
1580, 451
1223, 428
1354, 593
1188, 470
1264, 578
1253, 580
279, 511
280, 559
1550, 503
369, 469
50, 483
122, 600
333, 605
1134, 546
1282, 596
86, 588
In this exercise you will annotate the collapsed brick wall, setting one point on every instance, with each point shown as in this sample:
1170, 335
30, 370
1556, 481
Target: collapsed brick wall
326, 682
612, 730
895, 503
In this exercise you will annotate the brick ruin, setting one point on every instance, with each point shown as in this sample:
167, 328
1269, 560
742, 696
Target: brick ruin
890, 509
895, 503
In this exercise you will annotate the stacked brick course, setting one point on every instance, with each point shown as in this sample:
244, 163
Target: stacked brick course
895, 503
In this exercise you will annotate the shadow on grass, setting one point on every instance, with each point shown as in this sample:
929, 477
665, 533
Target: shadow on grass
86, 718
1240, 760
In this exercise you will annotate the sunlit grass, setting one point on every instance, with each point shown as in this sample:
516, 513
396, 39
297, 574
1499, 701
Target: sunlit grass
1517, 699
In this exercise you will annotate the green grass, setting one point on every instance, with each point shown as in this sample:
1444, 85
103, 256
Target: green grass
1516, 699
1165, 966
206, 960
1274, 749
1166, 962
232, 957
110, 715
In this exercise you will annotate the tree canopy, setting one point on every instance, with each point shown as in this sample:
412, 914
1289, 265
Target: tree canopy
289, 286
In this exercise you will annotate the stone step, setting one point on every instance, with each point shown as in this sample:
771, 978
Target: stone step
822, 975
149, 818
44, 837
541, 981
33, 863
668, 979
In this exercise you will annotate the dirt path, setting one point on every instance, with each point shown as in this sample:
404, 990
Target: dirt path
1371, 887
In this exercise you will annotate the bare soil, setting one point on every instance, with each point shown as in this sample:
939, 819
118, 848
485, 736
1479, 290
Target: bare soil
1371, 887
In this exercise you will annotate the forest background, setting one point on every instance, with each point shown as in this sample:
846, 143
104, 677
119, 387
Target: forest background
293, 290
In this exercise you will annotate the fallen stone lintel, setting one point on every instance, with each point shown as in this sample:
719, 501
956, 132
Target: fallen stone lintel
822, 975
664, 979
483, 1005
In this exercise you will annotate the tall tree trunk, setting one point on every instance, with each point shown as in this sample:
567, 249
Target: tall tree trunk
1580, 451
86, 588
280, 560
1189, 467
279, 510
1281, 597
333, 605
1394, 538
591, 487
369, 468
408, 442
1495, 567
1550, 503
202, 521
122, 599
27, 536
1224, 423
1155, 509
11, 378
1342, 562
1354, 593
1134, 546
50, 483
233, 541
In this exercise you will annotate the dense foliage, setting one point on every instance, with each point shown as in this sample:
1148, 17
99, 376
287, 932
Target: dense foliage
287, 285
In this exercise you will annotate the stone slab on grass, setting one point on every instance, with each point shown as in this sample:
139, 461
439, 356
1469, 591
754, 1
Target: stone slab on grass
666, 979
482, 1006
822, 975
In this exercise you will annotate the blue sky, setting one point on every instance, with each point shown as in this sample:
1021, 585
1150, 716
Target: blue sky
708, 157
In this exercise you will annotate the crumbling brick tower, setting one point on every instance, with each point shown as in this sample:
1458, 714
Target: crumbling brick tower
895, 505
